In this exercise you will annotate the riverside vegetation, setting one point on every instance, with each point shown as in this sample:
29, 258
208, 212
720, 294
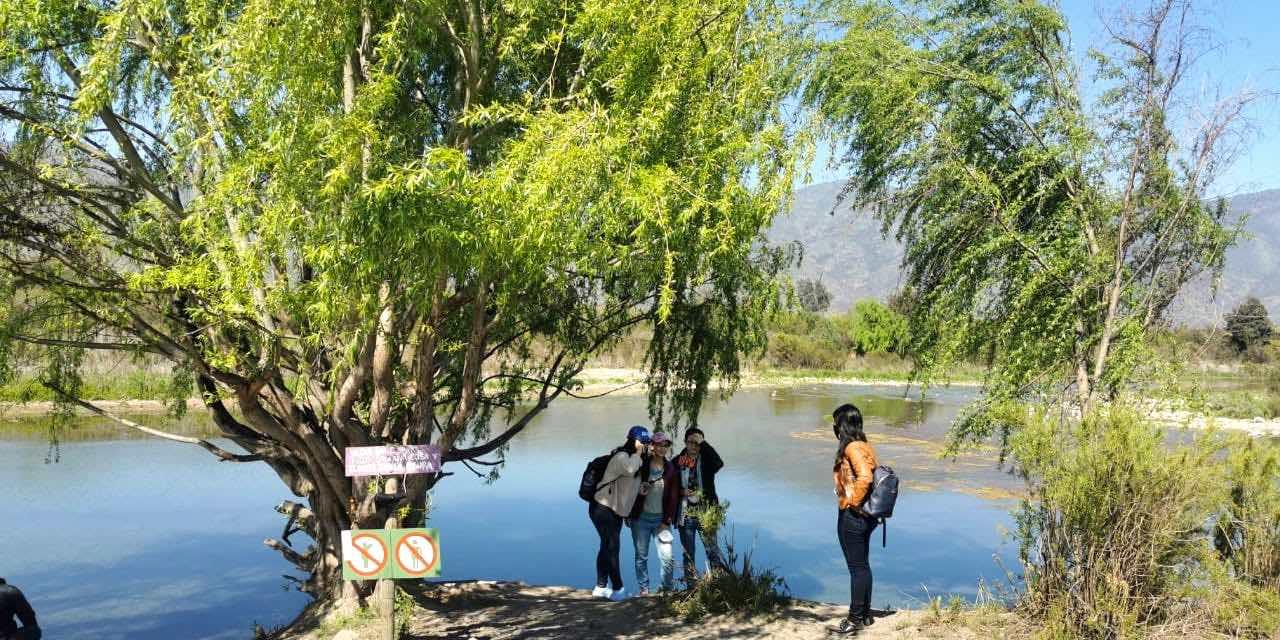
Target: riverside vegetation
1125, 536
1047, 234
368, 222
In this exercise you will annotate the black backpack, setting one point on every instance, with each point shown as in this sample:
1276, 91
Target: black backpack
591, 477
882, 498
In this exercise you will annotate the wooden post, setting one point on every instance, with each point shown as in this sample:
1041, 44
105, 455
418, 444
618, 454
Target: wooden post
387, 594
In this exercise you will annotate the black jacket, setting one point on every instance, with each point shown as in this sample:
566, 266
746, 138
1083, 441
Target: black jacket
13, 603
711, 463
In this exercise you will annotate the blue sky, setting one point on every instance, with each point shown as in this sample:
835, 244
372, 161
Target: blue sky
1246, 35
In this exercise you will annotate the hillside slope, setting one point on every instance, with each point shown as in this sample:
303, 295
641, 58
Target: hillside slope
846, 251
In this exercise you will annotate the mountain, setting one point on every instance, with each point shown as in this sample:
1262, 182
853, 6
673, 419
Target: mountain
846, 251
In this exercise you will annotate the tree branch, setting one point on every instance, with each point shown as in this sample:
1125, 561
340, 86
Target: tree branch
221, 453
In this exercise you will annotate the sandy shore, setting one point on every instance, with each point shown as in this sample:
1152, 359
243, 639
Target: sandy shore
486, 610
1257, 427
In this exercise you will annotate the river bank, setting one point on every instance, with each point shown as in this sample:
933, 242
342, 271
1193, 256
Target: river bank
596, 382
591, 382
1170, 414
487, 610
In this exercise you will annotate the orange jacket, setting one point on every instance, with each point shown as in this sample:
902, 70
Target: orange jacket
854, 474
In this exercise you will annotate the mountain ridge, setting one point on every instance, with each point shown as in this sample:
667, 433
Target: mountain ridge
846, 250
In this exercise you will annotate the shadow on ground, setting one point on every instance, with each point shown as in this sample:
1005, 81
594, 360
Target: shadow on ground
506, 611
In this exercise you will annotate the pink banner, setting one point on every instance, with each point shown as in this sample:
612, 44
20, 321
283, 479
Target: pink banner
395, 459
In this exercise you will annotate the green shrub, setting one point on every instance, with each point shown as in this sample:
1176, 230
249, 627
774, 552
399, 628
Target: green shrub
743, 589
1116, 536
739, 589
1247, 534
877, 328
804, 340
803, 352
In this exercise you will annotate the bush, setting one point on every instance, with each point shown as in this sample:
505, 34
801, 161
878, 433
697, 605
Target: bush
743, 589
876, 328
1117, 535
805, 340
1247, 534
804, 352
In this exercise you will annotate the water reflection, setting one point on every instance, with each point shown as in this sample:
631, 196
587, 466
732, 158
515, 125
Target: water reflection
141, 539
778, 452
144, 539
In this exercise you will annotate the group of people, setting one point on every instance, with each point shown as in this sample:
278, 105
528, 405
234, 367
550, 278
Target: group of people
652, 493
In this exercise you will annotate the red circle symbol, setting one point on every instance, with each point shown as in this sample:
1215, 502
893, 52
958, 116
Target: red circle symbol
424, 554
368, 555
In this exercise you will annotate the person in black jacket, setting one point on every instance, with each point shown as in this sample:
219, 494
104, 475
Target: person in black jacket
697, 466
14, 604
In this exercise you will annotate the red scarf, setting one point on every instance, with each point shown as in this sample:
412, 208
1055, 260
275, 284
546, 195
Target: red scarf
686, 460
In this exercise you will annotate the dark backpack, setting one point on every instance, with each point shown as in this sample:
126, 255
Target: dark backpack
591, 477
882, 498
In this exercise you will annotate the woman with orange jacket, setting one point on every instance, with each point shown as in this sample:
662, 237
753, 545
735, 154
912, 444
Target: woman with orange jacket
853, 472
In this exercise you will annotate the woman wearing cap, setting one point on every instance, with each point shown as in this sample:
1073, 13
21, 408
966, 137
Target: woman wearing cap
654, 512
615, 496
853, 471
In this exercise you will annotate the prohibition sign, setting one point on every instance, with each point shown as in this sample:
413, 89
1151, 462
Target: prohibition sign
416, 554
371, 555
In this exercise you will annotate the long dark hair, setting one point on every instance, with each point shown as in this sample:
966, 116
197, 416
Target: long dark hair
847, 425
629, 446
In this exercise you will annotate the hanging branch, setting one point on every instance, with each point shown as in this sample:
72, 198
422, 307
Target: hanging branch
221, 453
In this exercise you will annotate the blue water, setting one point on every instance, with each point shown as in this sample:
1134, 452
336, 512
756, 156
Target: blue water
143, 540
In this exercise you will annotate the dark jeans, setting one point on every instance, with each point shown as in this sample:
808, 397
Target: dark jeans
854, 532
690, 531
609, 526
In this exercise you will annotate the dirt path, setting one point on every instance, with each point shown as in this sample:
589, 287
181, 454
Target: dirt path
511, 611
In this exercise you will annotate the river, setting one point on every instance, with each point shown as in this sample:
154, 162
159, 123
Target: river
123, 537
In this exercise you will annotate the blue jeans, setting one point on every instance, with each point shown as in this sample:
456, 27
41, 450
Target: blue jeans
690, 531
643, 530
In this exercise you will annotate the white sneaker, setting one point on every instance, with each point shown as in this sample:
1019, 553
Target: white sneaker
602, 592
619, 595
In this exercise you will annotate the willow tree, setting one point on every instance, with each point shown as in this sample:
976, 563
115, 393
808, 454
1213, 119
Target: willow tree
1044, 232
350, 223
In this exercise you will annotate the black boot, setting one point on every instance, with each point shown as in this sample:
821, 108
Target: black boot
848, 627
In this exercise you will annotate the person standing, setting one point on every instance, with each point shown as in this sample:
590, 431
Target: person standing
697, 466
654, 513
14, 604
615, 496
854, 473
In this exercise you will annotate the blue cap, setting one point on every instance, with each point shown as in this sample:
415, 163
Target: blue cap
639, 433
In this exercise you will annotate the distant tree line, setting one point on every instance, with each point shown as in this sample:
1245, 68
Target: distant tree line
808, 339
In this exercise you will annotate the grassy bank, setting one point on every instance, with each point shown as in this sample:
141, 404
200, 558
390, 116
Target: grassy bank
126, 383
